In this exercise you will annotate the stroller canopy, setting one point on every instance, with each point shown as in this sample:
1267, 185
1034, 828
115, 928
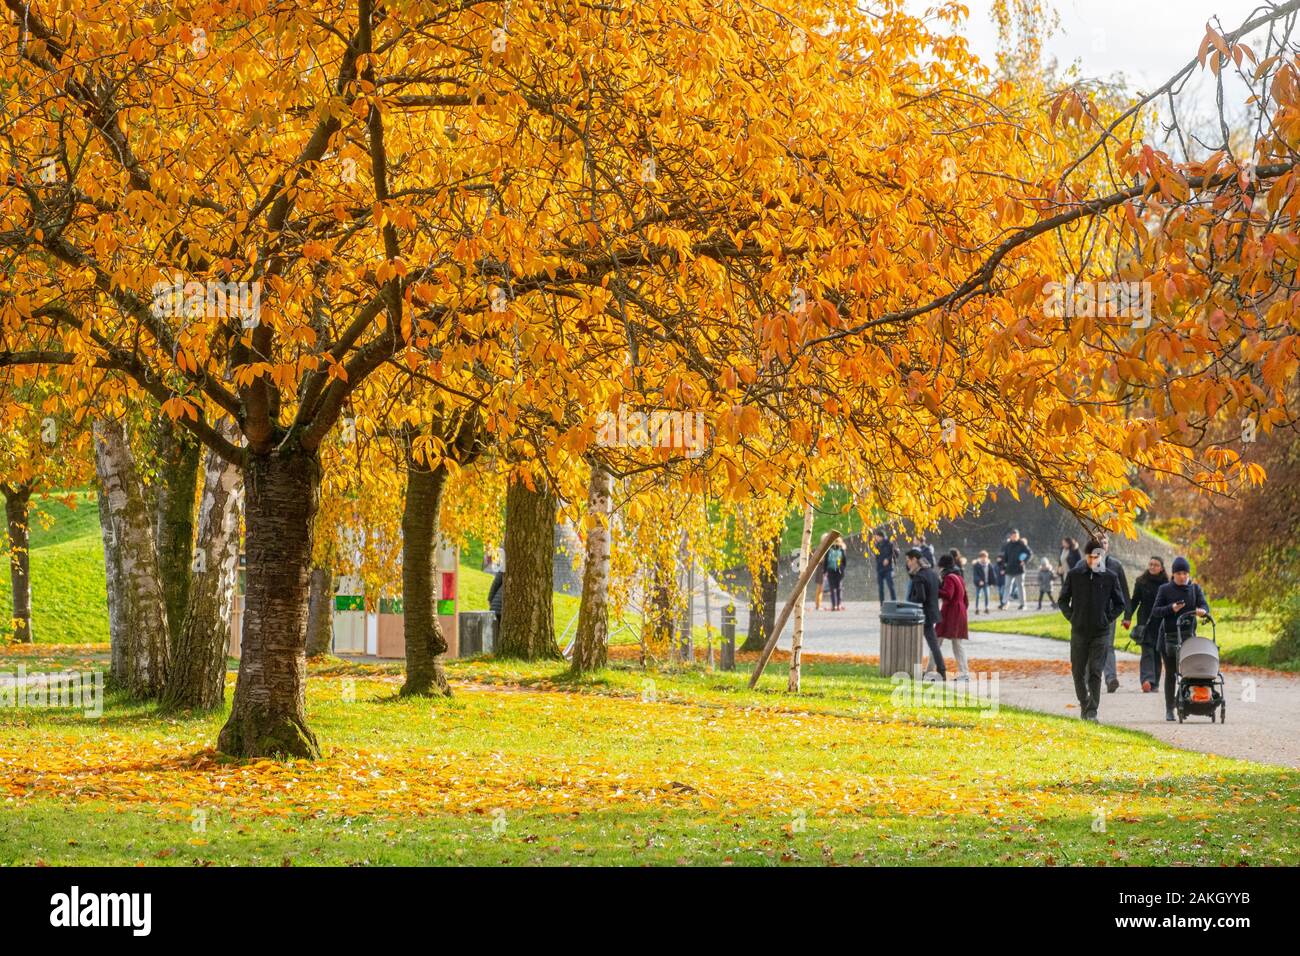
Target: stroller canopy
1198, 658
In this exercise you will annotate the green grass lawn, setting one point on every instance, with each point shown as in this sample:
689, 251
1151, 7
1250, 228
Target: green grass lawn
526, 766
68, 587
69, 604
1245, 638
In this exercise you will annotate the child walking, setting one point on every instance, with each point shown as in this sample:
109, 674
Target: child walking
1045, 578
982, 573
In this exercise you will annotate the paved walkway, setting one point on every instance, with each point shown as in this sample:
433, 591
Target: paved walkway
1034, 673
856, 630
1263, 718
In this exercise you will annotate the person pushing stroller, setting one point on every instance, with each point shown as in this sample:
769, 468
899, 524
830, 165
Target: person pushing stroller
1174, 599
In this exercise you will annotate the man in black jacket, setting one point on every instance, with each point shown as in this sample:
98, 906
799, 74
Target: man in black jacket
1111, 671
1092, 601
885, 555
924, 590
1015, 553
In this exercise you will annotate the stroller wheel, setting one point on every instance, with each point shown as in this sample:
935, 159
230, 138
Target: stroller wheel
1211, 716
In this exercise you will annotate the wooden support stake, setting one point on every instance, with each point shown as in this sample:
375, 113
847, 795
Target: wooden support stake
827, 539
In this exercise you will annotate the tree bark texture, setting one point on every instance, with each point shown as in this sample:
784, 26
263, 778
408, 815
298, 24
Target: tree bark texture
425, 643
17, 521
320, 612
268, 716
197, 678
527, 615
762, 618
177, 456
143, 619
590, 651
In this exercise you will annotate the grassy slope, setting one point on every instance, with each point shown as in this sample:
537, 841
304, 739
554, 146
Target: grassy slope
1244, 638
68, 588
523, 766
67, 560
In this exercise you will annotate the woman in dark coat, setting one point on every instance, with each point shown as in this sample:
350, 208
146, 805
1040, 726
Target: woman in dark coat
1141, 604
1070, 556
953, 602
1173, 600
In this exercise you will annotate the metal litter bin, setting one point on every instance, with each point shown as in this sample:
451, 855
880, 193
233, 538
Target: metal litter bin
476, 632
902, 635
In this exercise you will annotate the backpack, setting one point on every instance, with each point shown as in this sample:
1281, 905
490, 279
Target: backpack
835, 559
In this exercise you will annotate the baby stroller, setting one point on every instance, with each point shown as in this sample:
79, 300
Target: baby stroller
1200, 685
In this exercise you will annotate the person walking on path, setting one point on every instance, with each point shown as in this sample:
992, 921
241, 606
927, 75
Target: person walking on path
1174, 599
924, 590
1046, 577
1070, 556
1140, 603
834, 564
821, 584
1092, 601
886, 554
1111, 671
953, 622
496, 593
1000, 575
983, 575
1015, 553
926, 549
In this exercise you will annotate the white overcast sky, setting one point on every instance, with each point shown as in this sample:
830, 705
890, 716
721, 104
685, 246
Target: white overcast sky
1147, 41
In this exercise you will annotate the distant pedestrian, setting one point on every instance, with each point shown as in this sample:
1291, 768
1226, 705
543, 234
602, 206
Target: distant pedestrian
821, 583
958, 560
1000, 577
1092, 601
1046, 578
886, 554
1070, 556
953, 624
924, 590
495, 594
1015, 553
1174, 599
983, 575
1111, 670
1145, 632
926, 549
834, 563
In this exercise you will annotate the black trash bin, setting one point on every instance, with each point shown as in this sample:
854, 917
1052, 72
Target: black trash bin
902, 635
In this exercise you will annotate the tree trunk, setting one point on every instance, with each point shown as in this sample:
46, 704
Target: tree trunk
527, 615
197, 677
658, 623
589, 646
320, 612
144, 636
173, 517
796, 642
268, 716
116, 600
425, 644
763, 593
20, 567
